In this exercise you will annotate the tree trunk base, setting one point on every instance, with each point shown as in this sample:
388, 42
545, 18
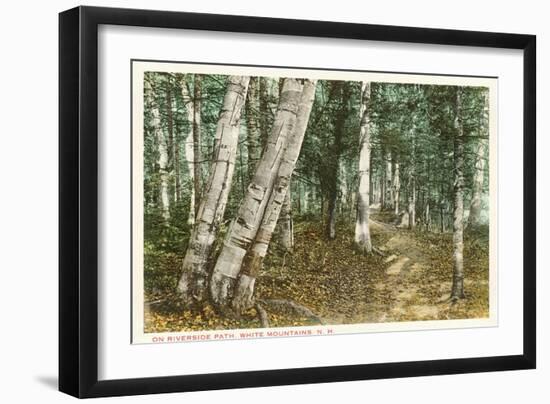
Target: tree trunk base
192, 288
262, 314
455, 298
220, 287
184, 289
363, 247
244, 294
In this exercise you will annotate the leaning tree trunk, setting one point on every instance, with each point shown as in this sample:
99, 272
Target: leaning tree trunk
457, 291
362, 231
253, 126
243, 229
252, 263
193, 281
189, 147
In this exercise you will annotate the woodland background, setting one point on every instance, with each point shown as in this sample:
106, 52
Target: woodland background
412, 156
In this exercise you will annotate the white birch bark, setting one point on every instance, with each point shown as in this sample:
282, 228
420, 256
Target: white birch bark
162, 163
189, 148
362, 231
244, 227
412, 184
190, 157
193, 281
396, 188
388, 188
305, 204
253, 126
343, 188
286, 236
197, 155
412, 201
427, 216
474, 219
252, 263
457, 291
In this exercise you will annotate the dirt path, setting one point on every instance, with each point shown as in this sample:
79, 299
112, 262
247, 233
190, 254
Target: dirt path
406, 267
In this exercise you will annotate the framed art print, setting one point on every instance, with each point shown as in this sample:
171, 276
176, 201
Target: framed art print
248, 201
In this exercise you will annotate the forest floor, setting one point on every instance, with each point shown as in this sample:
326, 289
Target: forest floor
410, 282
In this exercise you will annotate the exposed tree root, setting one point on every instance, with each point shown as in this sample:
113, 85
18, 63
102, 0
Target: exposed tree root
153, 302
456, 299
168, 297
262, 314
282, 304
378, 251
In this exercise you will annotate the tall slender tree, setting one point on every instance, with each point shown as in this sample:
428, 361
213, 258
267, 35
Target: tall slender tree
162, 161
253, 127
457, 291
285, 223
474, 219
362, 230
341, 89
189, 144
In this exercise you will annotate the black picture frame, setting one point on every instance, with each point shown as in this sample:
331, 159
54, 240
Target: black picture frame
78, 201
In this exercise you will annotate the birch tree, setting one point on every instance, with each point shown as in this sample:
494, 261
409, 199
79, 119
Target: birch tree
193, 280
242, 231
162, 161
285, 225
362, 231
412, 181
253, 125
457, 291
173, 138
396, 188
388, 178
189, 146
474, 220
197, 155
